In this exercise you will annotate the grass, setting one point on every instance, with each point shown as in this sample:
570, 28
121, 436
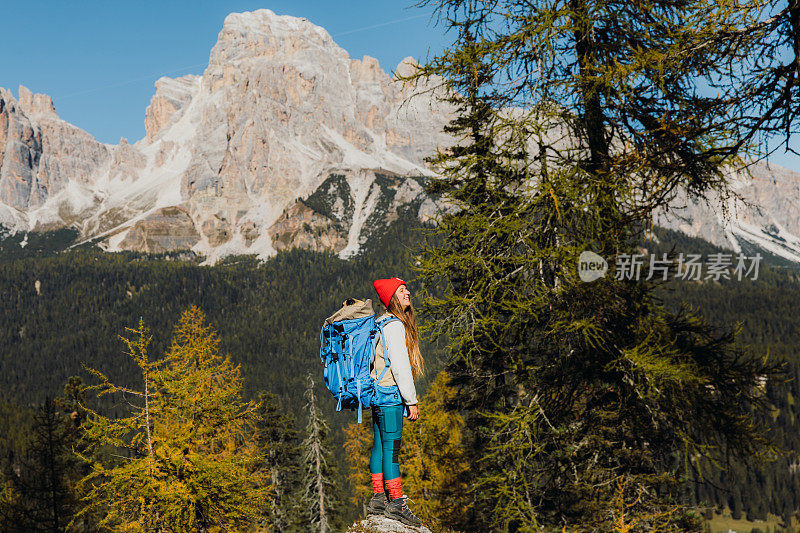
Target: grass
722, 523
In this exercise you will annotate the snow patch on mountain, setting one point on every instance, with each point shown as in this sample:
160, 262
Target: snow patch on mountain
365, 197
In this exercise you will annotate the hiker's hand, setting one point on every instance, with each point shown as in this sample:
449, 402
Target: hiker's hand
413, 412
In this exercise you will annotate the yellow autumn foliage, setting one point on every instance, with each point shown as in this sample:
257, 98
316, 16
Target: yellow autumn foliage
186, 458
358, 445
432, 458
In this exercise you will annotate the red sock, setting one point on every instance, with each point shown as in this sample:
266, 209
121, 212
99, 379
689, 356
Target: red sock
377, 483
394, 488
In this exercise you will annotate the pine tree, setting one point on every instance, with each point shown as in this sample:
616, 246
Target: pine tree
319, 499
11, 503
186, 457
581, 398
71, 405
279, 443
39, 497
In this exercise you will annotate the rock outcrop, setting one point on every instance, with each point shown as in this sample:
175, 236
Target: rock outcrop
380, 524
172, 96
302, 227
166, 230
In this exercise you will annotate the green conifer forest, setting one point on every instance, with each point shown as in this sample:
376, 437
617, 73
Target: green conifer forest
267, 317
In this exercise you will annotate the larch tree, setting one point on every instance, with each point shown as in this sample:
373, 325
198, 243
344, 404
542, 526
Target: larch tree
575, 120
186, 458
760, 74
435, 465
358, 447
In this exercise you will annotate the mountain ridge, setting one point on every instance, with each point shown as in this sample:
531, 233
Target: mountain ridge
278, 111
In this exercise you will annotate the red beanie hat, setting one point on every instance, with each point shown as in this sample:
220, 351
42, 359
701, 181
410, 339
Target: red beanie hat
386, 288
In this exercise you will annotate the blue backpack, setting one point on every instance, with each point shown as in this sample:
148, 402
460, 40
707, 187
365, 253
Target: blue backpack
347, 347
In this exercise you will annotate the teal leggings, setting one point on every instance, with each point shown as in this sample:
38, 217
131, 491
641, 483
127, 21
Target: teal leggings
387, 426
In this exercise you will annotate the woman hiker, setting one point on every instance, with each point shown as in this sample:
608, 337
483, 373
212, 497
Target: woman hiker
405, 364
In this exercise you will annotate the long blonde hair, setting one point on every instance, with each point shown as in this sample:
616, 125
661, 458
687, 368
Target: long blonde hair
409, 320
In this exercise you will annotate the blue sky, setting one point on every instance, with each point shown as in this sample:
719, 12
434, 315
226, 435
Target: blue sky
99, 60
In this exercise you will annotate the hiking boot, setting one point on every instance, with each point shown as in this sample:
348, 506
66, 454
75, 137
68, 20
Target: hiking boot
398, 510
377, 504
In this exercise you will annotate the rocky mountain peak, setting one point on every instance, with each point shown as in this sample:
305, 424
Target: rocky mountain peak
172, 95
36, 104
283, 28
406, 67
279, 109
263, 34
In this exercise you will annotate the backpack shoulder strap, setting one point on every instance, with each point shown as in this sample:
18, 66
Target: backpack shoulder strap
381, 323
385, 320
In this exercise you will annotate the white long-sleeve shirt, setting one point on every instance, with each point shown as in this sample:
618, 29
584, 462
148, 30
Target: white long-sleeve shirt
400, 368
